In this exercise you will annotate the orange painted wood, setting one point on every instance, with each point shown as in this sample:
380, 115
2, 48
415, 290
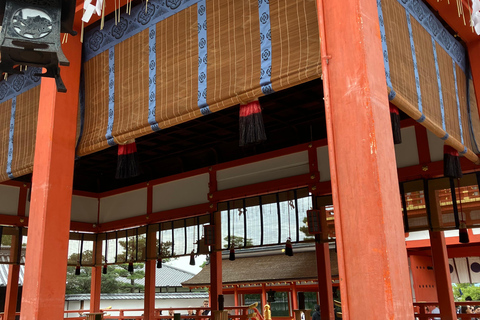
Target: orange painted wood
149, 299
423, 277
442, 276
48, 233
12, 291
372, 259
96, 279
324, 274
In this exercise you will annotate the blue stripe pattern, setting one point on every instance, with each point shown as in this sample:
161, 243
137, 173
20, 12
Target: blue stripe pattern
202, 57
265, 46
10, 138
383, 36
439, 82
111, 95
415, 67
458, 101
434, 27
468, 75
152, 78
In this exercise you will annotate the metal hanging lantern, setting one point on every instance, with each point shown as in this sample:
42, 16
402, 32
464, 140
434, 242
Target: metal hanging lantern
271, 296
30, 36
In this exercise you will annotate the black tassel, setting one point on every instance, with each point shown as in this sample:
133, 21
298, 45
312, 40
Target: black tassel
77, 270
232, 253
252, 129
127, 162
395, 119
463, 233
288, 247
192, 258
159, 263
451, 163
130, 267
104, 269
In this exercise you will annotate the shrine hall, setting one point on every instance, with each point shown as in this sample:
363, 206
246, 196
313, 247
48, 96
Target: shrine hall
324, 150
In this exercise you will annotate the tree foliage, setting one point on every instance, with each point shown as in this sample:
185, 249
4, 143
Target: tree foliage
238, 242
463, 290
304, 229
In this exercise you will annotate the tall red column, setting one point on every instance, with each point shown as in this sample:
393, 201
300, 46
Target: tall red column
442, 276
150, 265
11, 295
324, 275
96, 279
372, 258
49, 221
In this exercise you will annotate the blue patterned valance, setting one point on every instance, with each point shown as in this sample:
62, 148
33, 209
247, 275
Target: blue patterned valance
19, 83
141, 18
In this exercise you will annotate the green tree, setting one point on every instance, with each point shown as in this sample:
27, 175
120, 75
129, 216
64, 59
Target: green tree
304, 229
467, 289
238, 242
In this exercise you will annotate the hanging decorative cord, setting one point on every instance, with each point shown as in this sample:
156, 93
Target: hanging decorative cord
130, 261
462, 230
1, 234
192, 254
106, 255
288, 244
159, 254
231, 240
116, 246
186, 237
136, 244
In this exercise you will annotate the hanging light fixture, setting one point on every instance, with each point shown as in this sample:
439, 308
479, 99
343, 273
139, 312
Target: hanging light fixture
30, 36
232, 253
271, 296
192, 258
130, 267
77, 269
104, 269
159, 263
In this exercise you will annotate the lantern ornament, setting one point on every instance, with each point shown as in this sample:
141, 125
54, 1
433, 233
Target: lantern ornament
30, 36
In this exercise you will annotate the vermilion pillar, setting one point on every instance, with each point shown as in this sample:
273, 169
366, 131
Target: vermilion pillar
96, 279
324, 275
442, 276
49, 221
11, 295
372, 258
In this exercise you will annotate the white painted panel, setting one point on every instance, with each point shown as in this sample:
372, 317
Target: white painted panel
323, 163
181, 193
84, 209
474, 268
435, 145
124, 205
9, 200
476, 230
453, 271
267, 170
462, 270
406, 153
418, 235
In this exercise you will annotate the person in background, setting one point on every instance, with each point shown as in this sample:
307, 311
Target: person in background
171, 314
190, 313
205, 312
316, 313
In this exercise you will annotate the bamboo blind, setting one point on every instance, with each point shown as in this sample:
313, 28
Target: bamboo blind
427, 74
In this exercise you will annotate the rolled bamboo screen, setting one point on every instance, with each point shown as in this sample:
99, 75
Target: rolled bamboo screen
427, 74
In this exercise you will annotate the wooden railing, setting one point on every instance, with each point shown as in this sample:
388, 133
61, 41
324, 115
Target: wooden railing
235, 313
423, 309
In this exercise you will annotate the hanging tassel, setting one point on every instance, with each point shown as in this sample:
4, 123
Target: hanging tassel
252, 129
288, 247
395, 119
130, 267
159, 263
451, 163
127, 162
77, 270
192, 258
463, 233
104, 269
232, 253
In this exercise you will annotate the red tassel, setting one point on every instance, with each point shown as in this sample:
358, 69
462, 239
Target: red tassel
463, 233
232, 253
451, 163
130, 267
395, 120
104, 269
127, 162
77, 270
288, 248
252, 129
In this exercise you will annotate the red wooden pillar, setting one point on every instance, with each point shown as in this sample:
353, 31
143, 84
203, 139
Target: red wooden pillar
235, 296
473, 54
264, 295
294, 296
442, 276
372, 258
150, 265
49, 221
324, 275
96, 279
11, 295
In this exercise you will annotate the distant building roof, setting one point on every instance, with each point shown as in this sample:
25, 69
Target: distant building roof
167, 276
4, 272
265, 268
139, 296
